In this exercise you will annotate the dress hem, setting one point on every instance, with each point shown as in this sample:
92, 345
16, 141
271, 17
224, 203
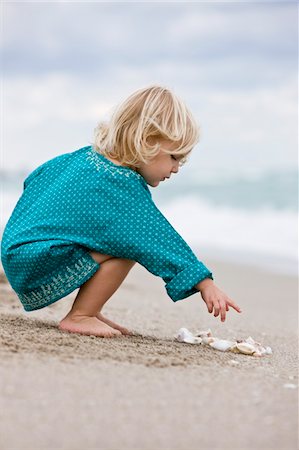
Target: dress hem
61, 285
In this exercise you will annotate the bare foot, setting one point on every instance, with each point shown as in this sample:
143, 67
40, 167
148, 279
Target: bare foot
114, 325
87, 325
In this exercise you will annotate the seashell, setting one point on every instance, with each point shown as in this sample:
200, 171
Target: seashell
186, 336
206, 333
221, 344
234, 349
245, 348
208, 339
251, 341
183, 334
260, 350
197, 340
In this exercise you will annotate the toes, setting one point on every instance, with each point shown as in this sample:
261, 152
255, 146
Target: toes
116, 333
126, 332
114, 325
112, 333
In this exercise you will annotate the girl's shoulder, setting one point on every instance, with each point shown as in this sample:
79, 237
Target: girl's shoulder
106, 166
89, 168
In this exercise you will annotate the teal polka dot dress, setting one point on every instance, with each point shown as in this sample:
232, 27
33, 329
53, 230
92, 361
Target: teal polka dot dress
81, 201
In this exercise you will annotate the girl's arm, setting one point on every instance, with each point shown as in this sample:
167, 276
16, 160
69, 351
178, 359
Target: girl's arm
136, 229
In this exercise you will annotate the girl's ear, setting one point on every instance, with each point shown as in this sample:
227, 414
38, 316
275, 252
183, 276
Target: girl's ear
152, 140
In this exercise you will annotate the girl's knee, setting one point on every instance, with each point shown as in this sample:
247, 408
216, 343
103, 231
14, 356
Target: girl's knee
100, 257
127, 262
131, 262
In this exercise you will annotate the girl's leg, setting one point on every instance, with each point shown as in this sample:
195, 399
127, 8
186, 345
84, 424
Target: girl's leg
85, 316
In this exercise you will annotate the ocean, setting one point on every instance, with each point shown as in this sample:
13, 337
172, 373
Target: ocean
249, 218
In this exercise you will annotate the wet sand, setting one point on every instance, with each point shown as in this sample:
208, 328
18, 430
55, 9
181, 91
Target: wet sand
66, 391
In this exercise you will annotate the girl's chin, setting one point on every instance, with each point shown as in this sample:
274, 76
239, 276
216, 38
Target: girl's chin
153, 183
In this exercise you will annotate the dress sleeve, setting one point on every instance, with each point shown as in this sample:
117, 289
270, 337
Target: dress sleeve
138, 230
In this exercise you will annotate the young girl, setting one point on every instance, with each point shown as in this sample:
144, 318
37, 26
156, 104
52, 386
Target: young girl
85, 218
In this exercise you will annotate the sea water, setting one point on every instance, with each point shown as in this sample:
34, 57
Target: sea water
247, 218
243, 218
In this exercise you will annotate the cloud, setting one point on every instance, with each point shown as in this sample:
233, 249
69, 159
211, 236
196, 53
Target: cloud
95, 39
68, 64
56, 113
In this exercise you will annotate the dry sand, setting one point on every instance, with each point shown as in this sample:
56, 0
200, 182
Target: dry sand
65, 391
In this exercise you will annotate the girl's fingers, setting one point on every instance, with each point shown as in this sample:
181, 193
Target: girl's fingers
216, 308
234, 305
221, 306
209, 305
223, 309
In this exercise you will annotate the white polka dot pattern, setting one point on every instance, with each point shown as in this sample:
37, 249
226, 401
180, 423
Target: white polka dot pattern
81, 201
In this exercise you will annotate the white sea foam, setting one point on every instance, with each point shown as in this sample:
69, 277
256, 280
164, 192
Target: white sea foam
263, 237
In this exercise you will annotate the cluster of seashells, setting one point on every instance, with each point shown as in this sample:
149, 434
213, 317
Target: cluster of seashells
247, 346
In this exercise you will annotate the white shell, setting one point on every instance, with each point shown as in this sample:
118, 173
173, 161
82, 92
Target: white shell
208, 339
221, 344
184, 335
197, 340
251, 341
248, 346
244, 347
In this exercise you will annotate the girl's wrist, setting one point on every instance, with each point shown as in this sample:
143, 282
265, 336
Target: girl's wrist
204, 283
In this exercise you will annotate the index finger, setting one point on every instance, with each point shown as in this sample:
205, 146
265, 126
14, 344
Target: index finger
234, 305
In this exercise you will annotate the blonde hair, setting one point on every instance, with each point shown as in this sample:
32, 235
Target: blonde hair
149, 114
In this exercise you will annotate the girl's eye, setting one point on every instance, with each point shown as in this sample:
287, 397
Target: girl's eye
173, 157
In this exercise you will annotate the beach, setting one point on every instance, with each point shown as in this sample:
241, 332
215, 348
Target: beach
147, 391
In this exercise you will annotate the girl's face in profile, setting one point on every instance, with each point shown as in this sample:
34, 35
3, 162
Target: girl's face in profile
162, 166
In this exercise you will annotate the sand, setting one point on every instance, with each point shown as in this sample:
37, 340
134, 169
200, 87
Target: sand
66, 391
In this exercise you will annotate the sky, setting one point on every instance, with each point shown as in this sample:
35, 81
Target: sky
67, 64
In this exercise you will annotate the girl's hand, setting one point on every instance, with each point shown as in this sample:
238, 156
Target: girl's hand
215, 299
